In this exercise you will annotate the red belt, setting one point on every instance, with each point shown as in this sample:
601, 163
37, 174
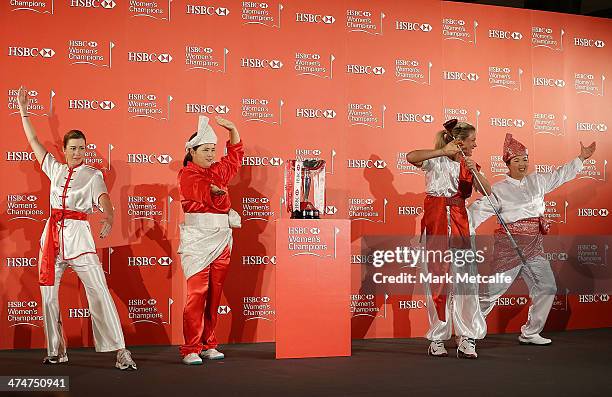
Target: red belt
46, 271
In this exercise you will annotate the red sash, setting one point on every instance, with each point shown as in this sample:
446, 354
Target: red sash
437, 223
46, 270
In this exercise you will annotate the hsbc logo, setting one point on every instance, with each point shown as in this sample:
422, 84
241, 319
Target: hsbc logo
410, 210
22, 197
308, 113
511, 301
365, 69
256, 161
149, 261
556, 256
414, 118
204, 10
21, 304
224, 309
79, 313
204, 108
412, 304
20, 156
547, 82
32, 52
107, 4
315, 230
504, 35
330, 210
149, 57
593, 298
21, 262
413, 26
595, 127
90, 104
583, 42
254, 260
353, 163
142, 158
314, 18
593, 212
256, 63
506, 122
460, 76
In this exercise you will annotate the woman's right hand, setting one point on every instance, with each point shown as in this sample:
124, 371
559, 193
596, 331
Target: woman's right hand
22, 100
216, 191
452, 148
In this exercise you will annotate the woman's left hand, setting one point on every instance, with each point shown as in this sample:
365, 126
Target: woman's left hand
225, 123
107, 226
586, 152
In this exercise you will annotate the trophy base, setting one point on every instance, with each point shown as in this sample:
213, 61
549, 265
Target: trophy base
306, 214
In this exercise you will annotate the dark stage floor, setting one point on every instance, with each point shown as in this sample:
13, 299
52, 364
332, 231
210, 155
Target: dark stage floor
578, 364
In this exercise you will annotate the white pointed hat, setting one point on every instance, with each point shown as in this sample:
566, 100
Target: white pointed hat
205, 134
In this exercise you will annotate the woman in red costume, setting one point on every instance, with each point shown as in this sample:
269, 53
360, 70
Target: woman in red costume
449, 177
206, 235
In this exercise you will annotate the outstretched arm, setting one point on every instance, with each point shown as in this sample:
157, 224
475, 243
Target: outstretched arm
566, 172
37, 147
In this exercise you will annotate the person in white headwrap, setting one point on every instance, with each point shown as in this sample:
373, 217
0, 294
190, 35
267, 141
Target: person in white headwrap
67, 242
206, 235
519, 198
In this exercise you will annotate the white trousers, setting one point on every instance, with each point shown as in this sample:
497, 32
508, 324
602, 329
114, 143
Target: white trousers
107, 332
540, 281
462, 311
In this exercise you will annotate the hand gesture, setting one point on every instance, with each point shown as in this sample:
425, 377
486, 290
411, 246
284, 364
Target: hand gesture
452, 148
23, 100
471, 164
216, 191
225, 123
107, 225
586, 152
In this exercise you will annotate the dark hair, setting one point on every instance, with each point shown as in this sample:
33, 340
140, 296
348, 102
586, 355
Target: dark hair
188, 156
73, 134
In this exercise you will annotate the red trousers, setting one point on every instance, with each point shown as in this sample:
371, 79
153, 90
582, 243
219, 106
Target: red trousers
203, 297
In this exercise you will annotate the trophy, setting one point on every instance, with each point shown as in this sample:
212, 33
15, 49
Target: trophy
305, 188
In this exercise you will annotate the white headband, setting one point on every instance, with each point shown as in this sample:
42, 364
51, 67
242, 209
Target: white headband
205, 134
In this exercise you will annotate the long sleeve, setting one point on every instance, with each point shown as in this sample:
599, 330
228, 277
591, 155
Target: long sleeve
480, 210
229, 164
565, 173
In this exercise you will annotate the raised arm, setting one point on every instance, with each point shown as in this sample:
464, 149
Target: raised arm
566, 172
417, 157
37, 147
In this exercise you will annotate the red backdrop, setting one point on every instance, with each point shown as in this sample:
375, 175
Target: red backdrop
356, 83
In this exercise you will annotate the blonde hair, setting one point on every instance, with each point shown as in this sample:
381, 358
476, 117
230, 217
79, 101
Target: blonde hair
460, 131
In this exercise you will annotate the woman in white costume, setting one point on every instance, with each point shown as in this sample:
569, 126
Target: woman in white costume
519, 198
67, 241
449, 177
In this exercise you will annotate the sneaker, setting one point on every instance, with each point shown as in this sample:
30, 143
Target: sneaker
437, 349
192, 359
534, 340
124, 360
467, 348
52, 360
212, 354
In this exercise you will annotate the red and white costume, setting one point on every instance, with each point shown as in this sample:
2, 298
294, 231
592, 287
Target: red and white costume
521, 205
445, 225
67, 241
206, 242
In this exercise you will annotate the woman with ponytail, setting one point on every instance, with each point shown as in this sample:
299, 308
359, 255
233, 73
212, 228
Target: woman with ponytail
449, 177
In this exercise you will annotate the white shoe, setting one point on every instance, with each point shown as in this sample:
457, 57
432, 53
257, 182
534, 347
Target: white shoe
467, 348
124, 360
212, 354
534, 340
52, 360
436, 348
192, 359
